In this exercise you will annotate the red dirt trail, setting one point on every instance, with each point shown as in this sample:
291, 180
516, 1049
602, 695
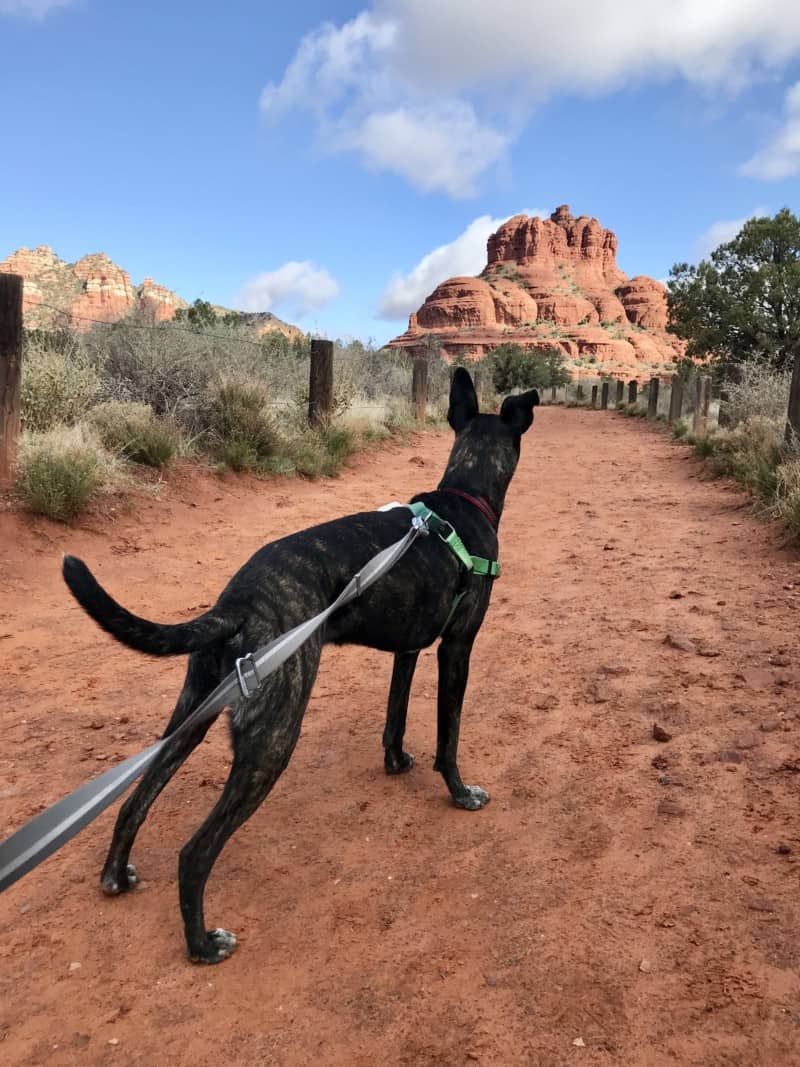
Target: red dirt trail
620, 901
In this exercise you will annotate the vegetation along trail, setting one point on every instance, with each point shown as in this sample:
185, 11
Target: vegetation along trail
620, 901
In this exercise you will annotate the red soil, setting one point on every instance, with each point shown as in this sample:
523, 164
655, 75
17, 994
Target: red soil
620, 901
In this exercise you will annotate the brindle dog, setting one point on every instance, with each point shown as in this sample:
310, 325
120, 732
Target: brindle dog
285, 583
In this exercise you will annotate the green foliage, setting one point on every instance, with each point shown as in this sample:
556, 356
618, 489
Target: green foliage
201, 314
743, 303
58, 383
60, 471
316, 453
134, 431
514, 367
239, 429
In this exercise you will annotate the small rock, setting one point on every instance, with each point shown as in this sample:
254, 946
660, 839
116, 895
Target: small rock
665, 780
780, 661
113, 1041
770, 726
74, 966
675, 595
492, 982
746, 741
659, 734
579, 1042
708, 651
599, 693
660, 763
730, 755
546, 702
683, 644
761, 904
645, 967
783, 849
667, 806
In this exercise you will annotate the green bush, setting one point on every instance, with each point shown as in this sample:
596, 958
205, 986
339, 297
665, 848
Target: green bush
134, 431
751, 453
61, 470
787, 494
239, 429
318, 453
679, 430
58, 385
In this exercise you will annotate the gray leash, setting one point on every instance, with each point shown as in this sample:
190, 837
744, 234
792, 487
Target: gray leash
42, 836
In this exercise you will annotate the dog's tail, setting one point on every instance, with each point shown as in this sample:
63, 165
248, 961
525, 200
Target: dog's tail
154, 638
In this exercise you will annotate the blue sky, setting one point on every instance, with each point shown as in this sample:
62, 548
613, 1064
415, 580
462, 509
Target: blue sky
310, 158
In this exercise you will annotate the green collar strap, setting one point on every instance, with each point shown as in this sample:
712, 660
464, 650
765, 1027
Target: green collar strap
444, 530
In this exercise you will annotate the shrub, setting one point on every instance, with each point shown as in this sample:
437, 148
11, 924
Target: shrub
61, 470
134, 431
787, 494
751, 453
679, 429
238, 427
758, 391
58, 384
317, 453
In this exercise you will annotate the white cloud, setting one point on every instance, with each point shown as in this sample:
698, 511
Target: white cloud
722, 231
437, 92
781, 157
435, 147
300, 286
35, 9
590, 45
466, 255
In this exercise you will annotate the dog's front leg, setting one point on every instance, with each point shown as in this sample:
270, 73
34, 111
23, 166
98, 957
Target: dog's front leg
395, 760
453, 673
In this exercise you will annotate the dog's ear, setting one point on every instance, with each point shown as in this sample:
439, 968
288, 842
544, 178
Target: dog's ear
463, 400
517, 411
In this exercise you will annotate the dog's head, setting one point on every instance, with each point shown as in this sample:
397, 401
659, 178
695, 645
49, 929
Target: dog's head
486, 450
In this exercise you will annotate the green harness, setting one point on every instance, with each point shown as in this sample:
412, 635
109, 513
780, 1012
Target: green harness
471, 564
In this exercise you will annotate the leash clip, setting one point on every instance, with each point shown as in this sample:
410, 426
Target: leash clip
242, 672
418, 523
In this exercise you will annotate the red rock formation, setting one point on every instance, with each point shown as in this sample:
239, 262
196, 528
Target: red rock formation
74, 296
552, 283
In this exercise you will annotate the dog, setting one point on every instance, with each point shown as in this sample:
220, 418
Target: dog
286, 582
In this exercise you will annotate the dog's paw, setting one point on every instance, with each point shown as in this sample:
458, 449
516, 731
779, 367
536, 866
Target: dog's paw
395, 764
218, 945
114, 884
472, 798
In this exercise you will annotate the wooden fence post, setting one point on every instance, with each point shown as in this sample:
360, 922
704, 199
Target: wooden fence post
553, 392
676, 399
419, 389
10, 372
793, 414
633, 390
604, 396
320, 383
652, 398
579, 393
702, 400
620, 393
594, 396
477, 381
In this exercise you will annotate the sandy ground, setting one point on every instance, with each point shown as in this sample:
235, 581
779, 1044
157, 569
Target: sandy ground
620, 901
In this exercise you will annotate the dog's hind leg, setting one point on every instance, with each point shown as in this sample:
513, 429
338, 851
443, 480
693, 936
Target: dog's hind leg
453, 658
264, 731
202, 675
395, 760
260, 756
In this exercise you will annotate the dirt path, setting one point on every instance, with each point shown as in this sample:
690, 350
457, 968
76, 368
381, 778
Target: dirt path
620, 901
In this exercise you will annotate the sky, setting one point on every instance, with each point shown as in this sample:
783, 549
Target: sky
333, 162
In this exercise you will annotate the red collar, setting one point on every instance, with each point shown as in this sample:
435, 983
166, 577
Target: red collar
481, 503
